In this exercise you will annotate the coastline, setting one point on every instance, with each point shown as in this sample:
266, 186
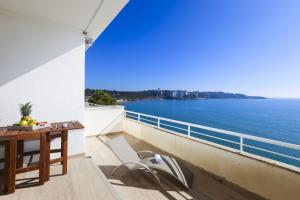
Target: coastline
184, 99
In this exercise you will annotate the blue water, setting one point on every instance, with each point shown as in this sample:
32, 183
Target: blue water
277, 119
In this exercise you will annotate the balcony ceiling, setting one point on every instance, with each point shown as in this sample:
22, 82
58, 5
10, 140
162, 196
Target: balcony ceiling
91, 16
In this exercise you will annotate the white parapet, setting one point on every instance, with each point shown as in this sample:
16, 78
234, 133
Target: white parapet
100, 120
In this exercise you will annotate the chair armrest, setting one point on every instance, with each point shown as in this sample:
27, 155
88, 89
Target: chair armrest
145, 154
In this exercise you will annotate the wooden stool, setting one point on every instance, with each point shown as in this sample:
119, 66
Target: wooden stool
48, 161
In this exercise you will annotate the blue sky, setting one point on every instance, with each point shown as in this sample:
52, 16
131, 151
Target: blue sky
250, 47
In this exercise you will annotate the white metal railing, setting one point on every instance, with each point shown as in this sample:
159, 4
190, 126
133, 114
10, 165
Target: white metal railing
190, 130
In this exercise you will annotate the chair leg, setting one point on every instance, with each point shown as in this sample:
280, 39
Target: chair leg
42, 159
20, 153
47, 157
115, 170
64, 151
30, 159
143, 166
155, 176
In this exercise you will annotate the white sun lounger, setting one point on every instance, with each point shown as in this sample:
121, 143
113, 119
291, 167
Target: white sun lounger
146, 160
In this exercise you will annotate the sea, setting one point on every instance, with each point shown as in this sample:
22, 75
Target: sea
277, 119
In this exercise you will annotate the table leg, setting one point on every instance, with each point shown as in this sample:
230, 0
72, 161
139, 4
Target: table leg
47, 157
64, 151
42, 158
10, 166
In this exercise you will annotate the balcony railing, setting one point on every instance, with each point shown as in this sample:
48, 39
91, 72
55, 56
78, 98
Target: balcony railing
273, 151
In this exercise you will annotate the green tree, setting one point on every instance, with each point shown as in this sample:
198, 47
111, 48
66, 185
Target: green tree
102, 98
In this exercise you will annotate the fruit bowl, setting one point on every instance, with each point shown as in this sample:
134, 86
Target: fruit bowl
27, 123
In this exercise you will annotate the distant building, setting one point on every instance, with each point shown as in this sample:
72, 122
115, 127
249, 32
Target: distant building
194, 94
174, 94
180, 94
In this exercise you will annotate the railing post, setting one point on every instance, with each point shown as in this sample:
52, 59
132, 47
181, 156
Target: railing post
189, 130
139, 118
241, 144
158, 122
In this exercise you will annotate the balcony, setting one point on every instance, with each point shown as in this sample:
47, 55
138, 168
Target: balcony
42, 61
219, 172
89, 178
221, 154
137, 185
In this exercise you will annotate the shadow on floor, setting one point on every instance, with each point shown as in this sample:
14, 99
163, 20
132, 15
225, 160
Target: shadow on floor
25, 182
169, 187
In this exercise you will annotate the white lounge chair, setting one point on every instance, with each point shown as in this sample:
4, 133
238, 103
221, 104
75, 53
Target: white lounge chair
146, 160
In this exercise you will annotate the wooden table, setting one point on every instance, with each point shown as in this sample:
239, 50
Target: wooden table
13, 142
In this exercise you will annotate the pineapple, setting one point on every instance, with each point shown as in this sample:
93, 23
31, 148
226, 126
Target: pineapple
25, 110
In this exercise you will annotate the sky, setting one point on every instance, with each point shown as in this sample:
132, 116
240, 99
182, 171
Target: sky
249, 46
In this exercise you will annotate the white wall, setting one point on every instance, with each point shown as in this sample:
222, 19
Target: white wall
44, 65
265, 179
102, 120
